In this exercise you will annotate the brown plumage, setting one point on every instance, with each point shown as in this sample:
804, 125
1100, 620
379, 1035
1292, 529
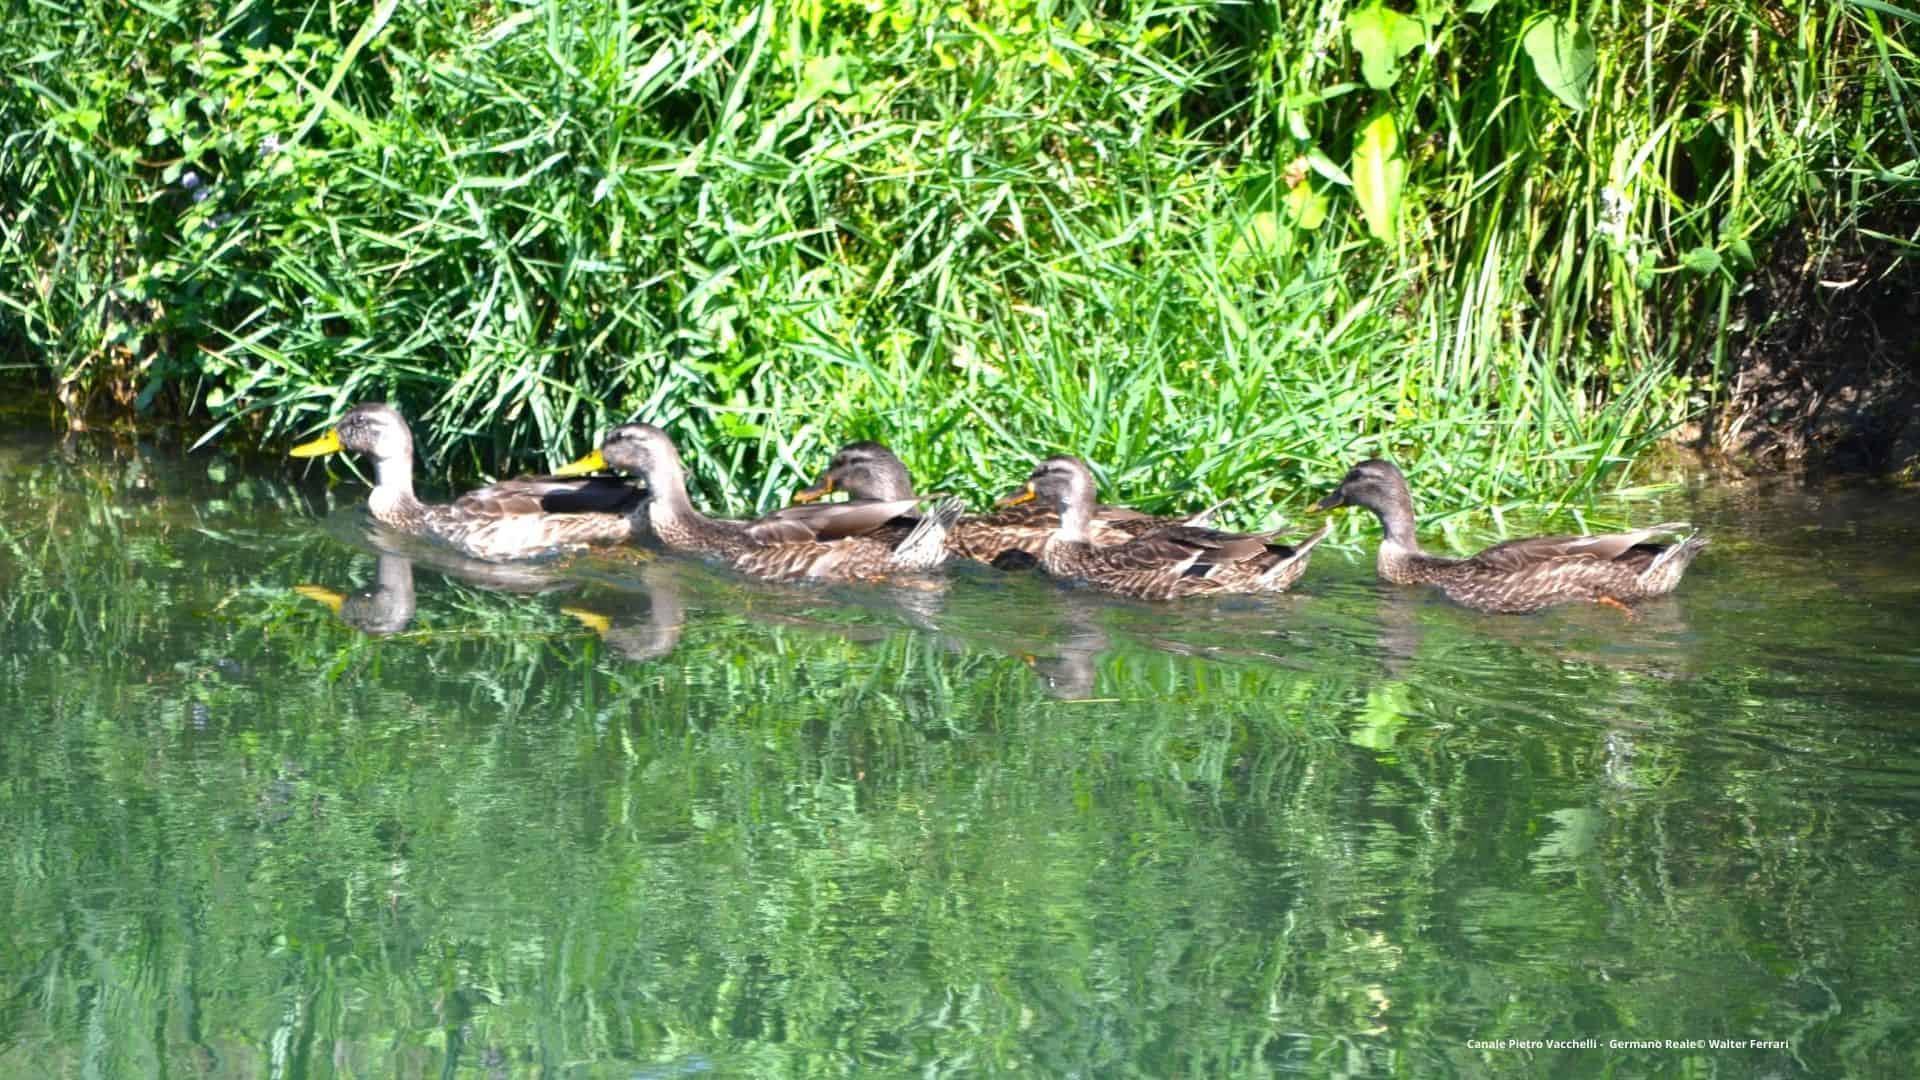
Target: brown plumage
1518, 576
868, 471
513, 519
844, 541
1168, 563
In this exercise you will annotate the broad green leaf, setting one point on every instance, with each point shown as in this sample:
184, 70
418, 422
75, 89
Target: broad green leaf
1701, 260
1306, 206
1563, 57
1379, 173
1382, 36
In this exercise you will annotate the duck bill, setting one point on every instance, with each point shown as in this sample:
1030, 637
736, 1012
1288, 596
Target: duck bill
1328, 503
320, 447
818, 491
592, 463
1026, 494
320, 594
592, 620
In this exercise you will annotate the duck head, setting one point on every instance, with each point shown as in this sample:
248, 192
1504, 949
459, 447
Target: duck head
374, 429
1065, 485
864, 470
642, 450
1377, 485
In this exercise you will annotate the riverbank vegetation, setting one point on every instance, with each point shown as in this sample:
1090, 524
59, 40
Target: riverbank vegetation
1222, 249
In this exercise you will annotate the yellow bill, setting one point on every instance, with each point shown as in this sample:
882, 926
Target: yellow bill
592, 620
1026, 495
323, 595
592, 463
807, 495
320, 447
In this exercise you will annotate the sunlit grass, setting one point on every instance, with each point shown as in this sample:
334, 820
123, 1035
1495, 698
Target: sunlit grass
1131, 232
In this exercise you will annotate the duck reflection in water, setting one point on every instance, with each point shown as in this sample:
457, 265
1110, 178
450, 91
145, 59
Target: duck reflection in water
385, 607
654, 635
1412, 628
642, 602
388, 605
1069, 669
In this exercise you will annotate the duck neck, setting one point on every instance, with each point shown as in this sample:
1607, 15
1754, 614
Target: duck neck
1065, 552
1076, 517
674, 519
395, 575
392, 501
1400, 555
1397, 519
669, 504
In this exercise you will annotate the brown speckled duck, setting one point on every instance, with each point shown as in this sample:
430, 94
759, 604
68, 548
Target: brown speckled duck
1171, 562
1518, 576
842, 541
513, 519
868, 471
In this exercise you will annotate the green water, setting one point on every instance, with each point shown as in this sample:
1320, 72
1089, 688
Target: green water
735, 830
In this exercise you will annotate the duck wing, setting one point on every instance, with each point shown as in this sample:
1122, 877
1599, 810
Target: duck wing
1177, 549
827, 521
1517, 555
551, 495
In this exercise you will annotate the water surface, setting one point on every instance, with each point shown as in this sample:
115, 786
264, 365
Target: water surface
634, 817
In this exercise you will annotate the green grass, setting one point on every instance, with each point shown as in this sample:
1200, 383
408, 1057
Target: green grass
1220, 251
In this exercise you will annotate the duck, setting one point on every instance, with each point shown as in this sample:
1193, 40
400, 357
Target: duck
1520, 576
520, 518
1009, 537
861, 541
1168, 563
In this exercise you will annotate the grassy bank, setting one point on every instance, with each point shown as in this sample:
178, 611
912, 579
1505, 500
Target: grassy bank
1221, 250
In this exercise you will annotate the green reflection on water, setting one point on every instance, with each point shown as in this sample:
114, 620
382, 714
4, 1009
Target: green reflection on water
635, 817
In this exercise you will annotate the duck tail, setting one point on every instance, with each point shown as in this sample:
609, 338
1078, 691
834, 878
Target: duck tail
1294, 563
926, 546
1300, 549
1663, 574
